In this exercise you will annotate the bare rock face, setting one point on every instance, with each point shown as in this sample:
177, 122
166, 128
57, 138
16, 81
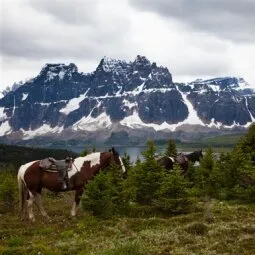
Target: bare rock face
61, 102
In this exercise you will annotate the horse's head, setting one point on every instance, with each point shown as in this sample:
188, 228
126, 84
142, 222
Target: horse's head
199, 155
117, 159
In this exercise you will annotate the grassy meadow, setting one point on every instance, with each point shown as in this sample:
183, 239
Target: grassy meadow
209, 210
212, 228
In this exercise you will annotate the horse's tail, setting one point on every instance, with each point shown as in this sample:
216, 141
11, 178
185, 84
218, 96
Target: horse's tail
22, 195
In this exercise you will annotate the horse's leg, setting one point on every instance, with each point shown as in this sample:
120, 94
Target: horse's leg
78, 194
30, 206
38, 202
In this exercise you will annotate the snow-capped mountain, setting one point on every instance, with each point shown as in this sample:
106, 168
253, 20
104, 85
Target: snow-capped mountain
119, 95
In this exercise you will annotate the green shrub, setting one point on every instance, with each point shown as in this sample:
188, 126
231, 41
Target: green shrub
173, 194
237, 176
97, 196
207, 176
171, 150
146, 177
8, 189
105, 195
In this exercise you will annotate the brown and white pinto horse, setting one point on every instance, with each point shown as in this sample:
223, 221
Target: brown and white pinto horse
32, 179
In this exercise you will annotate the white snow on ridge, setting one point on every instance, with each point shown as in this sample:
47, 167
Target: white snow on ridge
91, 124
44, 129
5, 128
215, 88
244, 85
73, 104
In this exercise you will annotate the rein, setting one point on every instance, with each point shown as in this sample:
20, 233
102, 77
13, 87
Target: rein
75, 167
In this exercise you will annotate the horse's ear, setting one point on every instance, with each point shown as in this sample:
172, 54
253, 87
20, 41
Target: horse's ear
113, 150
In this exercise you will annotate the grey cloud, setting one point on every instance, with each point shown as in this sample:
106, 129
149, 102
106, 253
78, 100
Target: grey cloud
70, 12
230, 19
33, 38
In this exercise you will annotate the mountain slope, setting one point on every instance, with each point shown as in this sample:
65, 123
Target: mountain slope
120, 95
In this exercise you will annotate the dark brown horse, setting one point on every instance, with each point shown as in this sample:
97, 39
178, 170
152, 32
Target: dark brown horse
32, 179
168, 162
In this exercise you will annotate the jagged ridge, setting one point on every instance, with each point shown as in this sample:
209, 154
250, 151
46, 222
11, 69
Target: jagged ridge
136, 94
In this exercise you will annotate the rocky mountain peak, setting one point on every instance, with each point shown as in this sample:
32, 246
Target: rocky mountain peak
141, 60
137, 94
52, 71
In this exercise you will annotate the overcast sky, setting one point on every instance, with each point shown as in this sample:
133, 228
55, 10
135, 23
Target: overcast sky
193, 38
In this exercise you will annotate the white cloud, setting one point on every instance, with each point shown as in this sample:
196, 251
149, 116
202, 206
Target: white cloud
35, 32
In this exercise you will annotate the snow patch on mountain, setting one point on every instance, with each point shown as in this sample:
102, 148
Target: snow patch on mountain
246, 104
134, 121
3, 115
5, 128
192, 118
44, 129
73, 104
89, 123
24, 96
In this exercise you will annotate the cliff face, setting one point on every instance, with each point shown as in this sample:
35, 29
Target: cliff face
121, 95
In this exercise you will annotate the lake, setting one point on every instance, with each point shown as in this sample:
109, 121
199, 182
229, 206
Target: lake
133, 151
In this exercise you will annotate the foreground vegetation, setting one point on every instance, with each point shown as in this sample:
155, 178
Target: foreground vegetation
207, 210
212, 228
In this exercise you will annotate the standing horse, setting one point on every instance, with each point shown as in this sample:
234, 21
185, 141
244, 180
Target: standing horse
168, 162
31, 180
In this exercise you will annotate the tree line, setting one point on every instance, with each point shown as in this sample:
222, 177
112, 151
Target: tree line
18, 155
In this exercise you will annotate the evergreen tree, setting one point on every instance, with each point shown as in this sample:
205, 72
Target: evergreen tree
247, 143
207, 176
173, 194
238, 175
97, 197
171, 150
106, 194
126, 161
146, 176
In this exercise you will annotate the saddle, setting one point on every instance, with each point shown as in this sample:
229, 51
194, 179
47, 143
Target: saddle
181, 159
51, 164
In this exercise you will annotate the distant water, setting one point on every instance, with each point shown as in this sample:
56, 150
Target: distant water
133, 151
